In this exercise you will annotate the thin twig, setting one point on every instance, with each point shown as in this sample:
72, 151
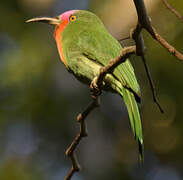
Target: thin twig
70, 152
122, 39
75, 167
166, 45
151, 84
175, 12
136, 34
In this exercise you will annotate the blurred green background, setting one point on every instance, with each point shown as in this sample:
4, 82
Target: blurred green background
39, 99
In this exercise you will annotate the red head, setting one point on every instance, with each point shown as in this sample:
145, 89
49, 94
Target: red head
64, 20
60, 22
66, 15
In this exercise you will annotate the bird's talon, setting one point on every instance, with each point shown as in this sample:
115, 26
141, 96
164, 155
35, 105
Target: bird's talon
95, 90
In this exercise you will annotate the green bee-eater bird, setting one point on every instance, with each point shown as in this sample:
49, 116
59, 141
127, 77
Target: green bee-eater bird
84, 46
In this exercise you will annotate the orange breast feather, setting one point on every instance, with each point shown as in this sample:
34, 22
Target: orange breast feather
58, 38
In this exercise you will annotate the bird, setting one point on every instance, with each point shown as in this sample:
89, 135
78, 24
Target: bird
84, 46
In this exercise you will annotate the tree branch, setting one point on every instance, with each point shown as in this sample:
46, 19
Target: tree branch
166, 45
151, 84
143, 18
70, 152
144, 23
136, 34
176, 13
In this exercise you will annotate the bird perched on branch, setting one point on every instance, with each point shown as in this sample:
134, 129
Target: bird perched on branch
84, 46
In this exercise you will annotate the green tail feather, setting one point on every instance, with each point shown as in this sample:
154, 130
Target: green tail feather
134, 117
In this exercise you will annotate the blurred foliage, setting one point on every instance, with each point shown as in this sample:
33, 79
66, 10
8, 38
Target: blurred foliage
15, 169
40, 99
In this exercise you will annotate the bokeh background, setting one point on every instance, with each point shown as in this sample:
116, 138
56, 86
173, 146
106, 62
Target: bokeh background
39, 99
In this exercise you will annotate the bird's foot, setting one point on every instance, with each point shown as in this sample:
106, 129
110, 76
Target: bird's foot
94, 88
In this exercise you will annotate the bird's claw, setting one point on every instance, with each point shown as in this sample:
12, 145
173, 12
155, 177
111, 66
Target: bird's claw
94, 88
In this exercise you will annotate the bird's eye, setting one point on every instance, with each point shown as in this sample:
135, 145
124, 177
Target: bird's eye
72, 18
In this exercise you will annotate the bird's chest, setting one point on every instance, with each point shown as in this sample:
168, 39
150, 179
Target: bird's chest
83, 68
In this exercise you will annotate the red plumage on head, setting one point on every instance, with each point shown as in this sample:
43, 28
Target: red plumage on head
67, 14
64, 17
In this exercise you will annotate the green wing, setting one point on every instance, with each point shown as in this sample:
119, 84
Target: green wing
101, 47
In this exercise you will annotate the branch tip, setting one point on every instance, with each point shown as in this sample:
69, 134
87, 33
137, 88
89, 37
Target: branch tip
175, 12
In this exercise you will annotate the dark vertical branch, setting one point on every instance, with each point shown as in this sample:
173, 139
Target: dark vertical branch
151, 84
143, 18
136, 34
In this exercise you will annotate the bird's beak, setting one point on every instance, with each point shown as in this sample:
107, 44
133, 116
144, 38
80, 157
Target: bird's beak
53, 21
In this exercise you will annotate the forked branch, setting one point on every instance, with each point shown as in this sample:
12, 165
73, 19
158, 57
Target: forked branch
144, 23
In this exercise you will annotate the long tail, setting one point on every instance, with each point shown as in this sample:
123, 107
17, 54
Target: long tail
134, 117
